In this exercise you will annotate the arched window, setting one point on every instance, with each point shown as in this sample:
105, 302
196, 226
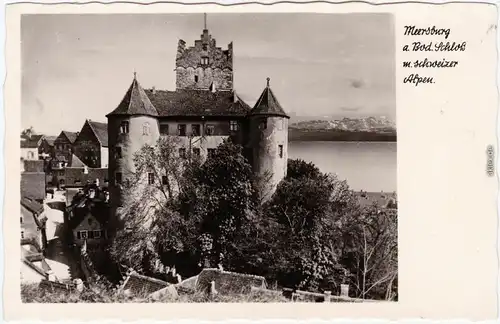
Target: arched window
145, 129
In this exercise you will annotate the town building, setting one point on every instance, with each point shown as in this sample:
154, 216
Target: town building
91, 144
63, 146
30, 147
47, 150
201, 113
87, 216
33, 220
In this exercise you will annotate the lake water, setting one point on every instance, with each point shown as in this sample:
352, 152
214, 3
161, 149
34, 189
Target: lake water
370, 166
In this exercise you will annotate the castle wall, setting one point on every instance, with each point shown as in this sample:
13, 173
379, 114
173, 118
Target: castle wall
202, 78
264, 143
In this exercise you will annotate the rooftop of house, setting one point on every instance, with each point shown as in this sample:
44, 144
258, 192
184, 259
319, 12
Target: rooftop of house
228, 282
34, 165
31, 142
267, 104
33, 185
81, 176
50, 140
100, 130
70, 136
141, 285
90, 200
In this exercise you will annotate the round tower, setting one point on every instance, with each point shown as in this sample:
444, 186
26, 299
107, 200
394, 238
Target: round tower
268, 141
131, 125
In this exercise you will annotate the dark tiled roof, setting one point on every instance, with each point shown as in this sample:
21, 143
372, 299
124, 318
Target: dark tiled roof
135, 102
32, 205
32, 142
268, 104
76, 162
228, 282
74, 175
33, 184
101, 132
83, 205
141, 285
50, 140
34, 165
197, 103
71, 136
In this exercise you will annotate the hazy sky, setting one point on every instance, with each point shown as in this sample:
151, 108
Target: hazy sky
79, 66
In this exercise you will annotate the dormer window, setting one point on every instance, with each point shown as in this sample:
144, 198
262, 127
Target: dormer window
204, 60
233, 126
124, 127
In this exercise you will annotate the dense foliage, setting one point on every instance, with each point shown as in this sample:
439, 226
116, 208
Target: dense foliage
311, 234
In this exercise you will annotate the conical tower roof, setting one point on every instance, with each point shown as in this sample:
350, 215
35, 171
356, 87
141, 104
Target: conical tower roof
268, 104
135, 102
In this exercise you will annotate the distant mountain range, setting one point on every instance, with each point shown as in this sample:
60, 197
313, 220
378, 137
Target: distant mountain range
345, 129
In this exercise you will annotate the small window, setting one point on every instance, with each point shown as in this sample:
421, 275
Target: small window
164, 180
196, 152
91, 234
78, 181
263, 124
195, 78
210, 152
204, 60
164, 129
145, 129
97, 234
182, 153
124, 127
209, 129
280, 150
151, 178
233, 126
22, 234
205, 47
195, 130
118, 151
21, 219
118, 178
181, 129
83, 235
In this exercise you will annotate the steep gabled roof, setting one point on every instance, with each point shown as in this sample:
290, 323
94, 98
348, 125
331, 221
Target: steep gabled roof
32, 142
50, 140
101, 131
76, 162
135, 102
184, 102
71, 136
268, 104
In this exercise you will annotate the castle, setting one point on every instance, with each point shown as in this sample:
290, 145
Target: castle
204, 105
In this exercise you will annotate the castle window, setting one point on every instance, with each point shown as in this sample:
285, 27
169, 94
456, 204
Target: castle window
151, 178
21, 219
205, 47
195, 130
204, 60
118, 152
195, 78
182, 153
22, 234
280, 150
124, 127
263, 124
209, 129
97, 234
90, 234
164, 180
196, 152
181, 129
233, 126
145, 129
164, 129
118, 178
210, 152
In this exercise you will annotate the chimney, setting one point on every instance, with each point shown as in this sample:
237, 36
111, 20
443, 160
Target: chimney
153, 90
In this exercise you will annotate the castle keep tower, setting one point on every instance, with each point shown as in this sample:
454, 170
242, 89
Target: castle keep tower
268, 140
205, 65
131, 125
